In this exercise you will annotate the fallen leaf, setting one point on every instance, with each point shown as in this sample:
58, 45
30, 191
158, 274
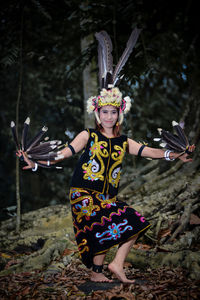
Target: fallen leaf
67, 252
163, 232
141, 246
194, 220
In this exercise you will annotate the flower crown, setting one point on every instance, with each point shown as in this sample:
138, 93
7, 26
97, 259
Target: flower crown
112, 97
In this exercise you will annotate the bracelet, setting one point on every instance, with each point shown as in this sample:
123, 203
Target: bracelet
166, 155
140, 150
35, 168
72, 149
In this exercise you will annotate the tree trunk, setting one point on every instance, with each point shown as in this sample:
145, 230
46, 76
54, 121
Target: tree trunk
17, 123
89, 82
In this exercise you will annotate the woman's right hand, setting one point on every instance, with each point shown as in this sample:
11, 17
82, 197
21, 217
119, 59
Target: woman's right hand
22, 154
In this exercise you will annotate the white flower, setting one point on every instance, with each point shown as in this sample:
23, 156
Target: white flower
90, 104
128, 104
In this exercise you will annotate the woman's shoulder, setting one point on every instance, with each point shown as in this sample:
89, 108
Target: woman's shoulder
84, 135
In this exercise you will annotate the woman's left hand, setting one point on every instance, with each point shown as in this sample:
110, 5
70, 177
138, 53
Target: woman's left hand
184, 157
23, 156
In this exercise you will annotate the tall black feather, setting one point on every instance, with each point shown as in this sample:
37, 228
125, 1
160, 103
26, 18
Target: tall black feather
105, 59
109, 80
129, 48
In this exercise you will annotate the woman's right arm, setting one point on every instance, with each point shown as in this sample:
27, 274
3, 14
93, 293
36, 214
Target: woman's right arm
79, 142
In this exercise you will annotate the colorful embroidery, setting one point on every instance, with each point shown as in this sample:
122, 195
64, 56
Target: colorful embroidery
142, 219
106, 201
119, 212
114, 231
85, 208
114, 173
94, 169
86, 248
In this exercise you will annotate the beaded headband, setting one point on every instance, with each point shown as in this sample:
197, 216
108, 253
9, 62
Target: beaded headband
112, 97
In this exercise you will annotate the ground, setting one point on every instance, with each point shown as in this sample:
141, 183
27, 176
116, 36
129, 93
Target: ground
72, 282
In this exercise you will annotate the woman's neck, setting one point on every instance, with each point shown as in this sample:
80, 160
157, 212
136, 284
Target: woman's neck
108, 132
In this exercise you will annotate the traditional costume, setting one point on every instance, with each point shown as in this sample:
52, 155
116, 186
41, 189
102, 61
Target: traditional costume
100, 220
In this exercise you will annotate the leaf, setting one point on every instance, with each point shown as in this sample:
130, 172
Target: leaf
67, 252
25, 291
194, 220
163, 232
141, 246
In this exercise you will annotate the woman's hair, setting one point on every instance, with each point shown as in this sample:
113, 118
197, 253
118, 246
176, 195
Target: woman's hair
116, 129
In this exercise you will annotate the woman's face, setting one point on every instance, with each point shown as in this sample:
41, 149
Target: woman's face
108, 116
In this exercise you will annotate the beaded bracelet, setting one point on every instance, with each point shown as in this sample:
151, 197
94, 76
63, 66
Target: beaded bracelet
166, 155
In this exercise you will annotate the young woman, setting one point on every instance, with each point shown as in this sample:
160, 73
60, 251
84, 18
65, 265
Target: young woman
100, 220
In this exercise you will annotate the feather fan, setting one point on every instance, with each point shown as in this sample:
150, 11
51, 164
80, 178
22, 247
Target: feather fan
177, 142
36, 149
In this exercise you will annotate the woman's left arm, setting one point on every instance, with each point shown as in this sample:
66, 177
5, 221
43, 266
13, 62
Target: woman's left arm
134, 147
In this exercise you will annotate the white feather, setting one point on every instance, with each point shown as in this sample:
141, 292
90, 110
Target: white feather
27, 121
174, 123
163, 145
159, 130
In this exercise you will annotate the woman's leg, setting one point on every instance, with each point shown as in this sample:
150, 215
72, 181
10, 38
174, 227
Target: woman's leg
116, 266
98, 262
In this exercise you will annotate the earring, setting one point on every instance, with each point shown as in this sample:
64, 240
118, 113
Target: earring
117, 124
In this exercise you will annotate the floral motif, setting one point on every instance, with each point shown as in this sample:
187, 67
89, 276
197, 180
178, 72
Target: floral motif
86, 248
142, 219
114, 232
137, 213
115, 170
94, 170
106, 201
85, 209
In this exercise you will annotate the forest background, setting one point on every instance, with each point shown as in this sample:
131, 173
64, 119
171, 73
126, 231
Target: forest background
48, 59
42, 63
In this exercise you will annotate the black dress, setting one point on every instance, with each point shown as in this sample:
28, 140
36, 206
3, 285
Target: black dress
100, 220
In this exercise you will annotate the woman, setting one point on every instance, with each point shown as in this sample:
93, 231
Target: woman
100, 220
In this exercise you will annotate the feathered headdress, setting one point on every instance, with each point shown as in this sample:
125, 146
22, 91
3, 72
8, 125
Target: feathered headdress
108, 79
36, 149
177, 142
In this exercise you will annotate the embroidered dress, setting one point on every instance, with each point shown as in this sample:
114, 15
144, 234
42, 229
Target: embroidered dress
100, 220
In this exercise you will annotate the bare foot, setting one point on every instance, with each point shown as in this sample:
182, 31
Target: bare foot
119, 273
99, 277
